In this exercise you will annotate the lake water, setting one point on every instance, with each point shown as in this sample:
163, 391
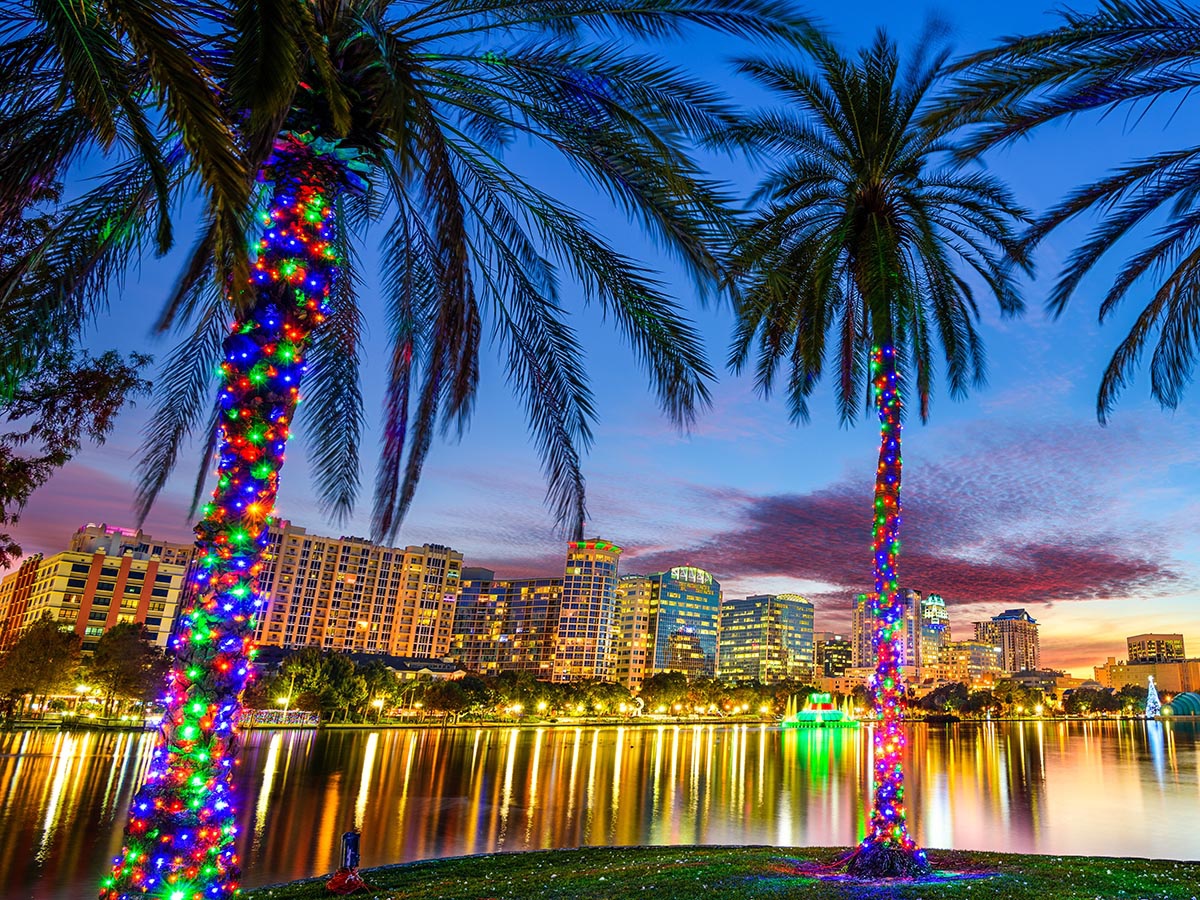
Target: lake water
1110, 788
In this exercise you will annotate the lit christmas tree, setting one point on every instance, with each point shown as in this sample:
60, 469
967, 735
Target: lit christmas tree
1153, 704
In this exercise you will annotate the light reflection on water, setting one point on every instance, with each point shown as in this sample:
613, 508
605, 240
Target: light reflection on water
1119, 788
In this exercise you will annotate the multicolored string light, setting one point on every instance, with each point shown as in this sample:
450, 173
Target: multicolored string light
887, 848
180, 840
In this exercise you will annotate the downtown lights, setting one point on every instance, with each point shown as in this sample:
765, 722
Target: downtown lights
179, 843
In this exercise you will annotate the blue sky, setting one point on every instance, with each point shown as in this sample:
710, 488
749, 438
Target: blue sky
1015, 497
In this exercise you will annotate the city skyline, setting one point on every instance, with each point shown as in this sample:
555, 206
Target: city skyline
1015, 498
325, 546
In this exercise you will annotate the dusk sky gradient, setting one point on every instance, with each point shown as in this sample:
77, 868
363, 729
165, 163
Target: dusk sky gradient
1014, 498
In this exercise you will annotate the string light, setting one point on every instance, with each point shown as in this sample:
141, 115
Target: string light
887, 849
181, 835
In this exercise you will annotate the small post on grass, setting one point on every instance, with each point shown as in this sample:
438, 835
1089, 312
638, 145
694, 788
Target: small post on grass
346, 879
350, 854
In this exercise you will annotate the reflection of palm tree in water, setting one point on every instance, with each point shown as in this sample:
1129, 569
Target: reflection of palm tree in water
1025, 771
1003, 766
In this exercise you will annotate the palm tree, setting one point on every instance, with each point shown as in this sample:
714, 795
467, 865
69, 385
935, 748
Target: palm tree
860, 235
353, 112
1128, 55
114, 76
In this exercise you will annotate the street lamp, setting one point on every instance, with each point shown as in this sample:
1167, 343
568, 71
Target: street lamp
542, 704
378, 704
286, 700
82, 690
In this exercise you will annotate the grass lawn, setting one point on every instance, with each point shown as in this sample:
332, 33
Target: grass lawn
688, 873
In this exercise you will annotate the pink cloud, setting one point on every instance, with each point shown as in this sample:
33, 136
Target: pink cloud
83, 492
1022, 523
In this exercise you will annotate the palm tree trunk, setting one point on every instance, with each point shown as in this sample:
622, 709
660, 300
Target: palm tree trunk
887, 850
179, 842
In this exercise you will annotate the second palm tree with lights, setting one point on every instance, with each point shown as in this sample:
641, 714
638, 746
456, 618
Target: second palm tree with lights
865, 238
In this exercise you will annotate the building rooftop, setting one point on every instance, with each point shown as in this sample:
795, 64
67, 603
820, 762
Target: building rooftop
1010, 615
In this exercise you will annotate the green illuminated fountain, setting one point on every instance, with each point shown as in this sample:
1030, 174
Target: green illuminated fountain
817, 712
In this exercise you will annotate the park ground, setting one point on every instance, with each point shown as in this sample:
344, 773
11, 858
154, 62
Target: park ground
687, 873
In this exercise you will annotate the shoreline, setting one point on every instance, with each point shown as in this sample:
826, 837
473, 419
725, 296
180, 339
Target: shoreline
685, 872
642, 722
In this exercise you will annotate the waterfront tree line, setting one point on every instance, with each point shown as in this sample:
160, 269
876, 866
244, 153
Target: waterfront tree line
45, 672
341, 689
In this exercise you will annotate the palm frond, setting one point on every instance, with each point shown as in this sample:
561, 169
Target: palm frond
861, 229
332, 412
185, 395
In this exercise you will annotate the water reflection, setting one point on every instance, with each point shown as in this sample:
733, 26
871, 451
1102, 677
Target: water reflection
1040, 787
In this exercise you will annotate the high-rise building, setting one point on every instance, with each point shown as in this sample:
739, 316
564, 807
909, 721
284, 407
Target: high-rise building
506, 625
833, 653
934, 628
862, 652
348, 594
685, 609
862, 630
14, 600
585, 621
1155, 648
631, 638
1015, 632
767, 638
553, 628
89, 589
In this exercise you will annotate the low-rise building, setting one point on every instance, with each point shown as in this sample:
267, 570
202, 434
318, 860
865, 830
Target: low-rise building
845, 683
973, 663
860, 676
1155, 648
1049, 681
1169, 677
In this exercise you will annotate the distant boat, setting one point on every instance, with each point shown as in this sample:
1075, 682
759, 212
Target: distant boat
818, 712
